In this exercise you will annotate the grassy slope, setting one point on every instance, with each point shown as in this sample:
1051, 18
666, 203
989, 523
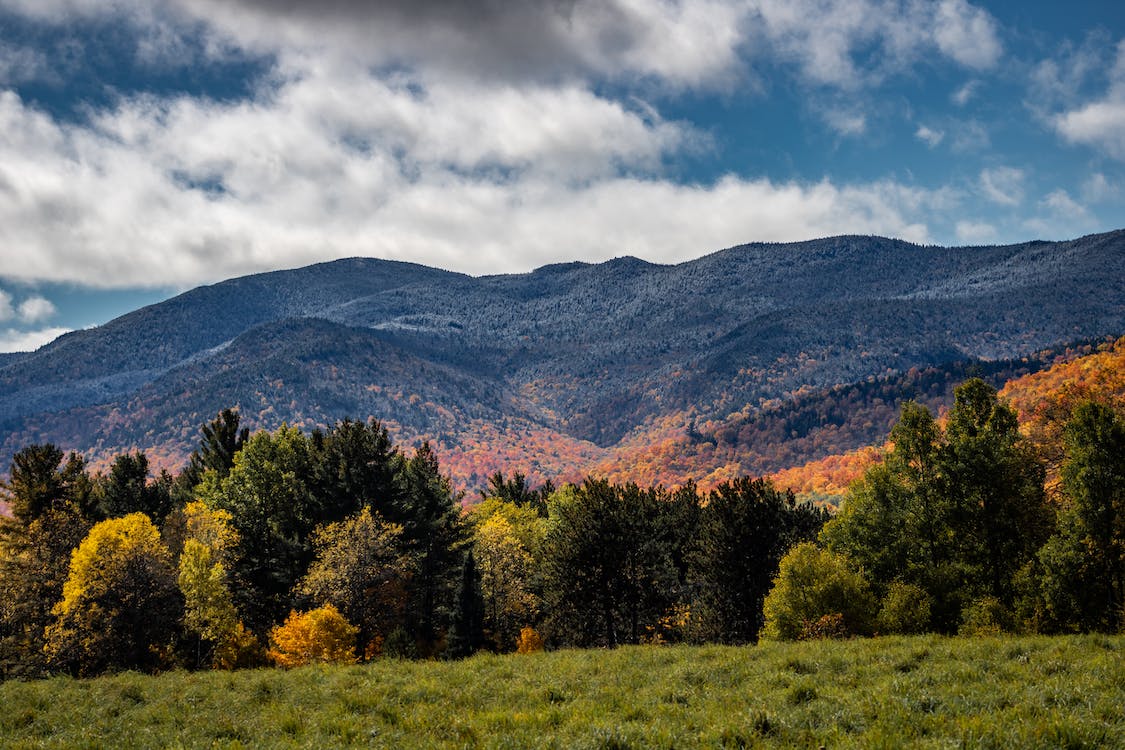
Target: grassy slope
888, 692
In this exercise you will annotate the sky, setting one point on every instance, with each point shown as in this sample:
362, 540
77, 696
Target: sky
150, 146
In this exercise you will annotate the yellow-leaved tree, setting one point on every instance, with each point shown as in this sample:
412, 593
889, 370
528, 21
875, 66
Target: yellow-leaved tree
505, 571
210, 616
321, 635
120, 606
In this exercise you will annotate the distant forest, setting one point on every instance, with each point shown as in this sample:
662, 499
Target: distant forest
287, 547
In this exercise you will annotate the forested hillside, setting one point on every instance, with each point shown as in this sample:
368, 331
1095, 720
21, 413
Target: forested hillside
288, 547
1043, 401
571, 368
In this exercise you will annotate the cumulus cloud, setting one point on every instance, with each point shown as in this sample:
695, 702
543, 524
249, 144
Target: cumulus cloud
964, 94
1098, 189
185, 192
1058, 86
1002, 185
846, 121
929, 136
827, 37
975, 232
12, 340
967, 34
475, 136
1060, 203
1099, 124
36, 310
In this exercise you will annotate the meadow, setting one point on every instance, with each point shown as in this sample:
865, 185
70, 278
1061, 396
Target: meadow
925, 691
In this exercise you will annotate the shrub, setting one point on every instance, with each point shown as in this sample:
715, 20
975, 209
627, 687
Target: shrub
529, 641
905, 610
812, 583
984, 617
321, 635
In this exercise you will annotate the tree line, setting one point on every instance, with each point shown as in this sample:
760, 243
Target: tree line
284, 547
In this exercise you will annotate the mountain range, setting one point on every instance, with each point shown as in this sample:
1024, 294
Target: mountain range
574, 367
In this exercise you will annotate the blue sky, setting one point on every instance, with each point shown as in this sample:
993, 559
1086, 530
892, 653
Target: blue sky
148, 146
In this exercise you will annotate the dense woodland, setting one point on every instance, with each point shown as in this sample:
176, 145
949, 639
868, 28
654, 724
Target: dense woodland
285, 547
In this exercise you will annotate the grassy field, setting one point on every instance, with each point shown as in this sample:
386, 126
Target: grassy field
887, 692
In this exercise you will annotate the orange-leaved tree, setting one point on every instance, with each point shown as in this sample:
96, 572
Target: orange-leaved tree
320, 635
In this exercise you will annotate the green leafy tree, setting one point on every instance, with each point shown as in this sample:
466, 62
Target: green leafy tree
361, 568
120, 606
1084, 563
744, 530
957, 512
813, 584
274, 513
996, 486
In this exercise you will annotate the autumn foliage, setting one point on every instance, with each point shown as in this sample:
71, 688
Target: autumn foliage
322, 635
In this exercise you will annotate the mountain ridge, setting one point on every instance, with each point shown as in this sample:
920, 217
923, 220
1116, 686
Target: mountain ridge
586, 352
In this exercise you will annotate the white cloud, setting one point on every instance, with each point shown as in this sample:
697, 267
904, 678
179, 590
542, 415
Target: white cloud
1003, 185
465, 135
825, 37
7, 311
1060, 203
12, 340
1098, 189
929, 136
967, 34
965, 94
1099, 124
969, 136
846, 121
414, 174
975, 232
36, 310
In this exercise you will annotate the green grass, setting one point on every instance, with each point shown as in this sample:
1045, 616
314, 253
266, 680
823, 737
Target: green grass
888, 692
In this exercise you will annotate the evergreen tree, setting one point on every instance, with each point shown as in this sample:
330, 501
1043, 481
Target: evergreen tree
609, 572
467, 634
745, 529
435, 537
222, 439
357, 466
127, 489
34, 564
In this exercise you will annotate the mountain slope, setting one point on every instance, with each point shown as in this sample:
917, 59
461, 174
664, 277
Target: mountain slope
572, 366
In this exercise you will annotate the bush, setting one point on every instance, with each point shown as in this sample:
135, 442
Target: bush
321, 635
812, 583
985, 617
529, 641
905, 610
